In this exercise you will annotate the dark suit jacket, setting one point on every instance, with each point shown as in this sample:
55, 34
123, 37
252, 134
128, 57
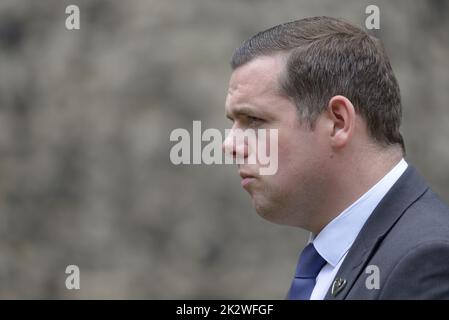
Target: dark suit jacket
407, 238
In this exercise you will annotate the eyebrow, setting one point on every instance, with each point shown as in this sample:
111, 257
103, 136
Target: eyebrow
244, 110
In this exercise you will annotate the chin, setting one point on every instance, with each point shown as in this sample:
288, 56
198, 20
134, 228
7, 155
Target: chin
276, 212
267, 211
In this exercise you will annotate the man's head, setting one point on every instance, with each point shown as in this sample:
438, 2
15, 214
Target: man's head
329, 89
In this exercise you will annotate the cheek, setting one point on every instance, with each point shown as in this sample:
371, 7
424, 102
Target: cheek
289, 163
297, 156
291, 148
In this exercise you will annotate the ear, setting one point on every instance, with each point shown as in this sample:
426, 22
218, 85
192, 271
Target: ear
341, 113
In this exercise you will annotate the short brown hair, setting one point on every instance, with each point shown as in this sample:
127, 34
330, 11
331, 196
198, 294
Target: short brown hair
328, 57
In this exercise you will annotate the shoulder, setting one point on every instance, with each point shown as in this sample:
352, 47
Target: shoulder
415, 253
425, 220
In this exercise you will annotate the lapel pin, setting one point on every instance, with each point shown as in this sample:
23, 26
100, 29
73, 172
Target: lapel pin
337, 286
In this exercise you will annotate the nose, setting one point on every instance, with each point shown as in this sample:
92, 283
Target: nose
237, 148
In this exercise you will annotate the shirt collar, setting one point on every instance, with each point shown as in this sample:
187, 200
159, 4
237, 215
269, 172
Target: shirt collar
334, 241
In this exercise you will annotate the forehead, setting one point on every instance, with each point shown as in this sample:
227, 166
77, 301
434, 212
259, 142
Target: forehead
255, 80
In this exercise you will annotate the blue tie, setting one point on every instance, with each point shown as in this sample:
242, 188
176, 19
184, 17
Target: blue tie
309, 265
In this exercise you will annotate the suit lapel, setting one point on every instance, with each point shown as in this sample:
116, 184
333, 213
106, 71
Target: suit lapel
409, 187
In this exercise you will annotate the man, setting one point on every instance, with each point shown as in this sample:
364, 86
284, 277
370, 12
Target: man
378, 231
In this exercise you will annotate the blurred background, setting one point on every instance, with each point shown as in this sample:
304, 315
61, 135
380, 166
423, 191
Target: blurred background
85, 120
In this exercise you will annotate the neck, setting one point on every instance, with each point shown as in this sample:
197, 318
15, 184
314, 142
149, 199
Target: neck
359, 176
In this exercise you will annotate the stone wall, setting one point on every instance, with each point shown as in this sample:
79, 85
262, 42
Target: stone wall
85, 118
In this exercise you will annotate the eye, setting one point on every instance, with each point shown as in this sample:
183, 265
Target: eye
253, 120
230, 119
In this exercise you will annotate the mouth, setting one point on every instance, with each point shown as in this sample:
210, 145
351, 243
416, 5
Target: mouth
247, 179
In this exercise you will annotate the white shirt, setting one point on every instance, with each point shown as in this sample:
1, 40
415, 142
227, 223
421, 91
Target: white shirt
334, 241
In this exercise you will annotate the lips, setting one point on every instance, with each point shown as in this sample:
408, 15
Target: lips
247, 178
245, 175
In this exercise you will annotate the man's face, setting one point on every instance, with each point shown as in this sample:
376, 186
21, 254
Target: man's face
254, 101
